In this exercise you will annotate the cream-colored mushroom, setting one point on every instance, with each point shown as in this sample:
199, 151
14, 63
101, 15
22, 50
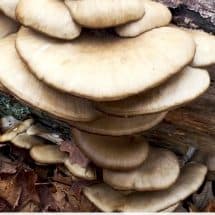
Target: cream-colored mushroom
156, 15
50, 154
103, 14
160, 171
27, 142
106, 67
118, 153
51, 17
8, 7
17, 129
116, 126
17, 79
7, 26
173, 93
108, 200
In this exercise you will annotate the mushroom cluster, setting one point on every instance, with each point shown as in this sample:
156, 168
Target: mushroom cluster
111, 70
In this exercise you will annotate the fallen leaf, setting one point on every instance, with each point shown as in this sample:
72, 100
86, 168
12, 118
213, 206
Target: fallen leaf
210, 207
75, 154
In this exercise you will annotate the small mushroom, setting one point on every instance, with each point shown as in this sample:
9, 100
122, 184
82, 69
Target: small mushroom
116, 126
205, 48
51, 17
117, 153
156, 15
41, 131
17, 129
103, 14
50, 154
8, 26
104, 71
160, 171
8, 122
18, 80
109, 200
171, 94
27, 142
8, 7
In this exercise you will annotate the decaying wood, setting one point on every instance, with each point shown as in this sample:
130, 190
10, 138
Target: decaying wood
193, 13
192, 125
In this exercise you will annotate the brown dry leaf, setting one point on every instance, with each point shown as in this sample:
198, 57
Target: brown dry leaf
75, 154
70, 199
9, 190
4, 206
47, 202
30, 207
7, 166
210, 207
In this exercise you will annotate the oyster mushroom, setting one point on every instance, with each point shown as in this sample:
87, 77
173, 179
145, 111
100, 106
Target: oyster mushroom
156, 15
173, 93
116, 126
8, 7
103, 14
27, 142
50, 17
17, 79
159, 171
15, 130
118, 153
8, 26
108, 199
102, 64
50, 154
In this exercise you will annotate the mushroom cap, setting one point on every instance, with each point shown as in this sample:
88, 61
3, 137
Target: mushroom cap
171, 208
27, 142
8, 26
8, 7
116, 126
103, 14
87, 173
51, 17
117, 153
156, 15
104, 66
17, 129
48, 154
205, 48
15, 76
107, 199
8, 122
173, 93
160, 170
210, 162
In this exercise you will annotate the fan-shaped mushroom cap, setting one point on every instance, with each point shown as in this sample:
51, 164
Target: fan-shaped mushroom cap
8, 122
17, 129
48, 154
15, 76
87, 173
107, 199
116, 126
2, 88
103, 14
118, 153
106, 67
205, 48
7, 26
51, 17
160, 170
8, 7
27, 142
156, 15
171, 94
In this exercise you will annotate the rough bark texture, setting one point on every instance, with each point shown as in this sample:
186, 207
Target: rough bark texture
193, 13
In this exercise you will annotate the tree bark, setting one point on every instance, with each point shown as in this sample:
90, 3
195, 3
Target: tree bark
193, 13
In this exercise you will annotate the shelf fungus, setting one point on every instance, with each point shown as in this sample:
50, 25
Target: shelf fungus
96, 75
